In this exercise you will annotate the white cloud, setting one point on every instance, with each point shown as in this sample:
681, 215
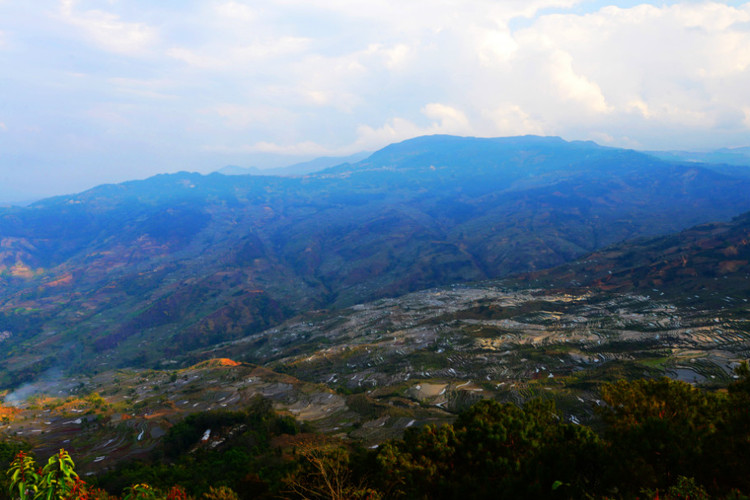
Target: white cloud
306, 148
575, 87
192, 58
237, 57
395, 130
3, 127
510, 119
240, 77
638, 106
394, 57
108, 30
237, 12
241, 117
446, 119
619, 141
150, 89
657, 71
708, 16
494, 45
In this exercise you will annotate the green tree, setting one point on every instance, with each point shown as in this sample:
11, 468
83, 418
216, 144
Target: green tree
24, 480
661, 430
522, 452
325, 472
730, 447
57, 480
658, 430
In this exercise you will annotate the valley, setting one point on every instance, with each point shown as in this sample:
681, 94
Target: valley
368, 298
374, 250
140, 273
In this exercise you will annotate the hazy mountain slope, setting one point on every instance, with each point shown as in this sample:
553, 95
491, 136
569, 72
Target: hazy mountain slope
674, 305
725, 156
125, 274
297, 169
711, 260
372, 370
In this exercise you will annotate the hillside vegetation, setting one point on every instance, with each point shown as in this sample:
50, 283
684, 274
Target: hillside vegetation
491, 450
363, 332
135, 273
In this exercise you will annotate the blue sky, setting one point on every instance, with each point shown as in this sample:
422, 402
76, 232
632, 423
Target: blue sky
95, 91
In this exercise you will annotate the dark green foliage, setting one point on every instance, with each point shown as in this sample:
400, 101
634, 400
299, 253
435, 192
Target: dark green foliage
686, 488
494, 448
659, 430
742, 386
660, 439
659, 436
240, 455
184, 435
57, 480
730, 448
8, 450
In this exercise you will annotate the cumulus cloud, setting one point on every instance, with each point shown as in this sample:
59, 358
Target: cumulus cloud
296, 77
574, 87
108, 30
644, 69
443, 119
237, 12
509, 119
395, 130
447, 119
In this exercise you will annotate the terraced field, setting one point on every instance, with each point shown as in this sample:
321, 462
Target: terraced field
489, 341
122, 415
372, 370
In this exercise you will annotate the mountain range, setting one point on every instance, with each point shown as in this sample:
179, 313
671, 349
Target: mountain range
370, 371
140, 273
297, 169
366, 298
725, 156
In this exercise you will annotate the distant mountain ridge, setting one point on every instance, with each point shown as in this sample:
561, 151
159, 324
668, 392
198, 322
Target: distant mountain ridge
297, 169
728, 156
130, 274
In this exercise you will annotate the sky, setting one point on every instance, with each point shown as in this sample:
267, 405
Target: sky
97, 91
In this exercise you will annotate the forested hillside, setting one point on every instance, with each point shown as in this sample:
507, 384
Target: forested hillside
652, 439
